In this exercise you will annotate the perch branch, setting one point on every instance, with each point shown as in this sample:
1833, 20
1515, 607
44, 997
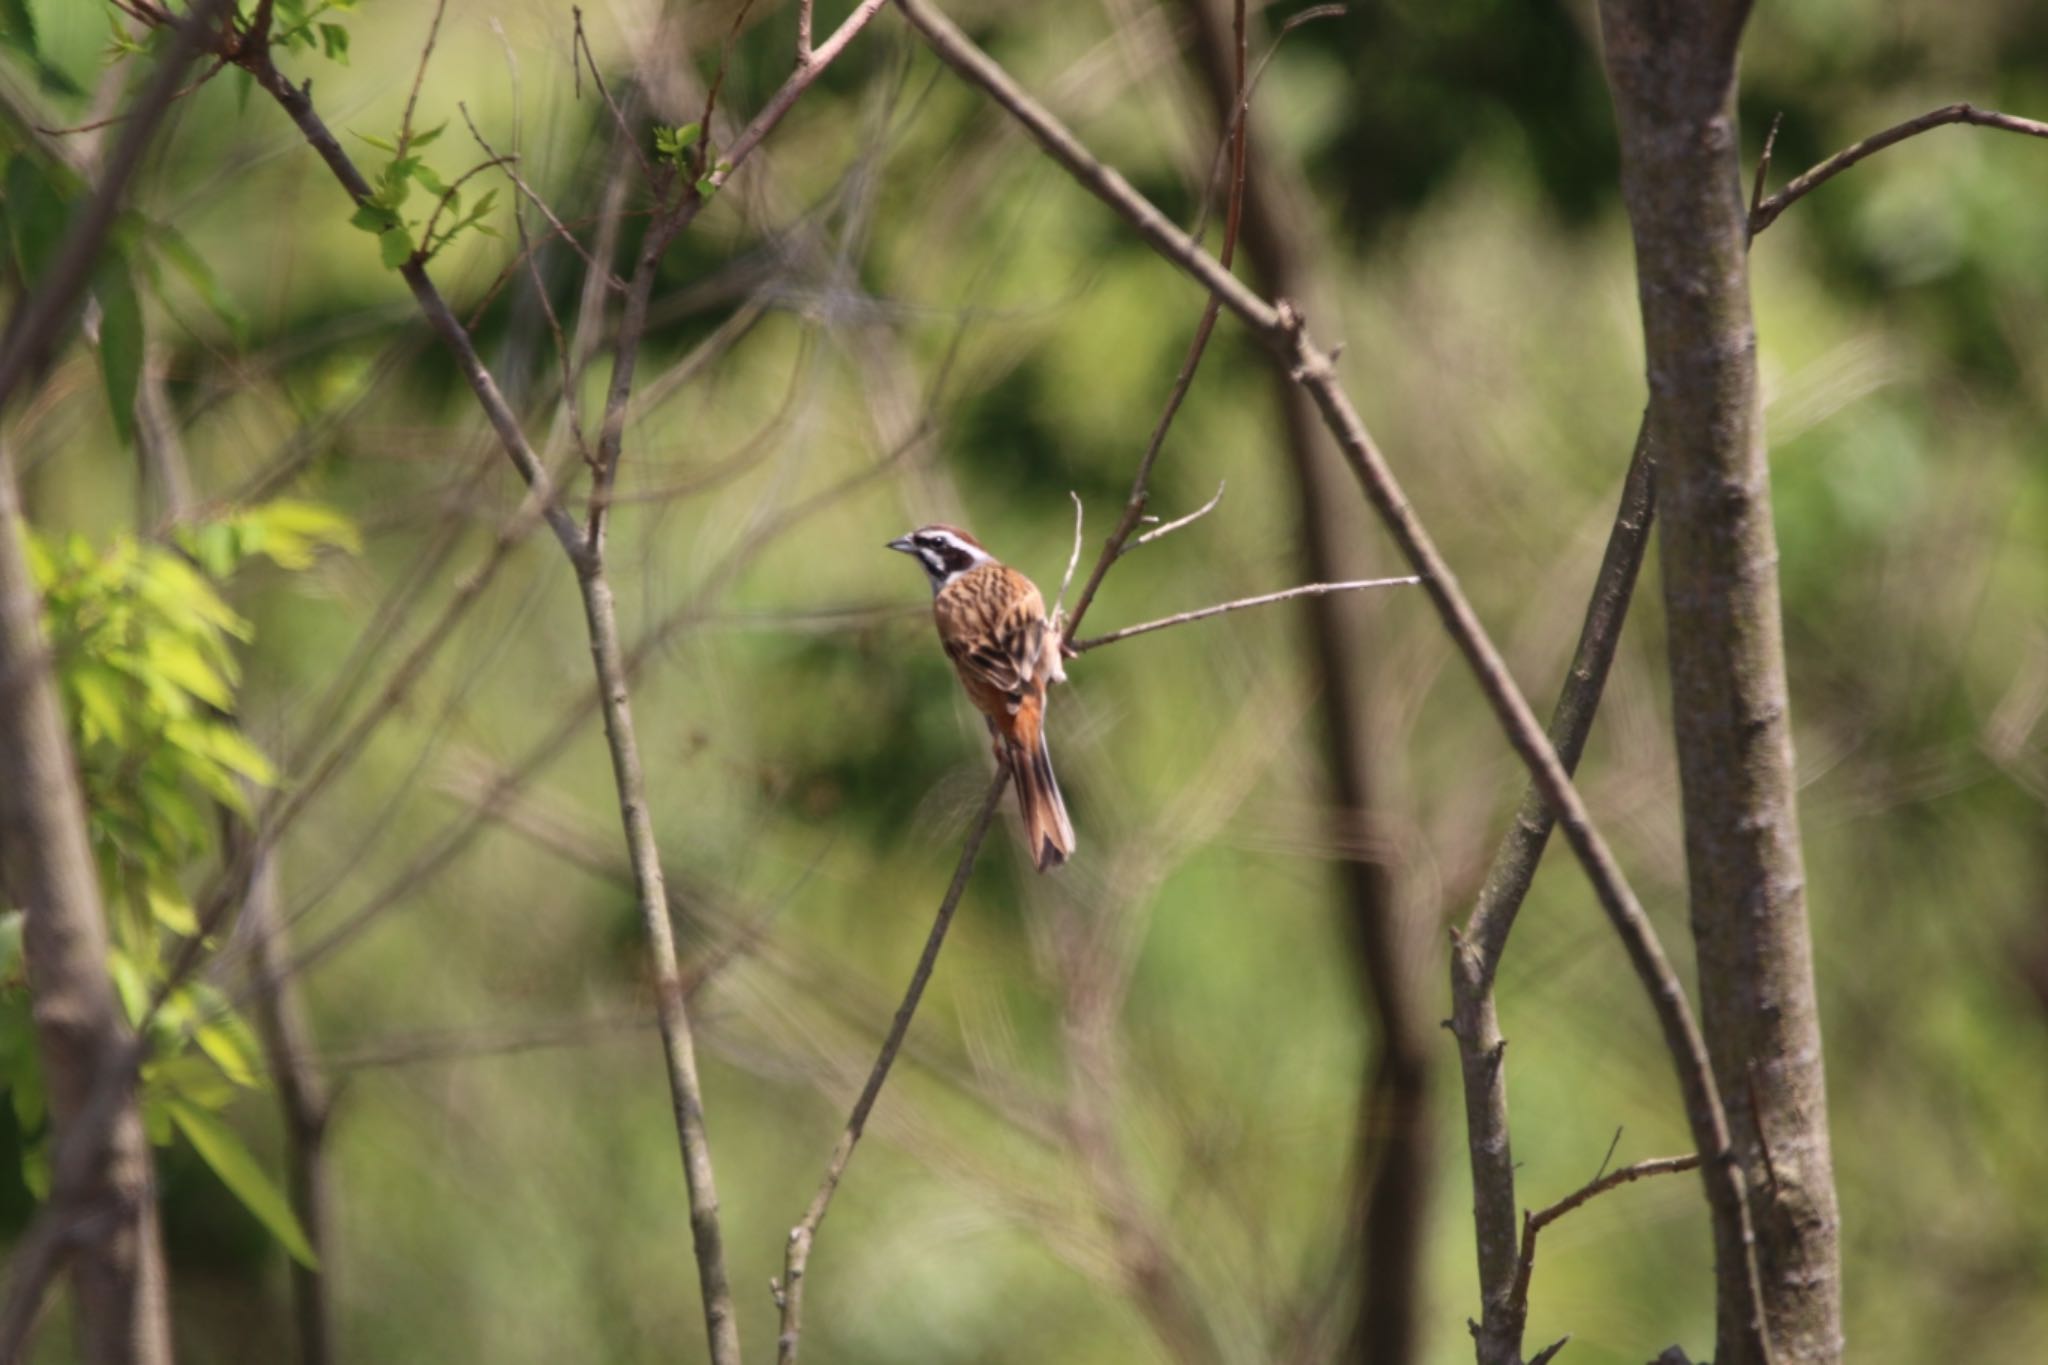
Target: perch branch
789, 1290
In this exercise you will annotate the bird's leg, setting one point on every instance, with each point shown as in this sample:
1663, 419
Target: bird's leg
996, 746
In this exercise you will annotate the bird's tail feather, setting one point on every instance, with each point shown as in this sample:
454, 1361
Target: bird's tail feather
1046, 827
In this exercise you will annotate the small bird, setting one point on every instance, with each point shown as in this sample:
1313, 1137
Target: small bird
992, 624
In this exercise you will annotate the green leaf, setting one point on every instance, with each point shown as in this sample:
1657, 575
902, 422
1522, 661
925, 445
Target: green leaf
156, 1123
29, 1106
170, 244
372, 217
382, 144
128, 984
238, 1169
11, 972
18, 27
120, 343
189, 1076
431, 182
225, 1048
334, 43
36, 213
169, 908
422, 139
395, 247
35, 1170
180, 662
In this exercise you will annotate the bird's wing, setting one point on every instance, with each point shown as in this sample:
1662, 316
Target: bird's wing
1006, 650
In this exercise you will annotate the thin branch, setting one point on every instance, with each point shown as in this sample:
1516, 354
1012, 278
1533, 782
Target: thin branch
803, 32
779, 103
1115, 547
1763, 170
1766, 213
1476, 951
510, 164
1073, 562
1535, 1222
1170, 527
1202, 614
299, 105
789, 1289
1281, 328
580, 45
419, 76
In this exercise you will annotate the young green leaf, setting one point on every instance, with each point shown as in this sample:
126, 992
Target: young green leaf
239, 1170
120, 343
395, 246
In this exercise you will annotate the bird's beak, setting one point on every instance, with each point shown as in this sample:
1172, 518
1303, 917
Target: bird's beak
902, 544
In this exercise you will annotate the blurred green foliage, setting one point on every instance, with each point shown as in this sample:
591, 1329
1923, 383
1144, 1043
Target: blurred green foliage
504, 1159
144, 648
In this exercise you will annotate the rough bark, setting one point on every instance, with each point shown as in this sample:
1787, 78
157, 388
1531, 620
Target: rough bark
1394, 1162
117, 1267
1671, 65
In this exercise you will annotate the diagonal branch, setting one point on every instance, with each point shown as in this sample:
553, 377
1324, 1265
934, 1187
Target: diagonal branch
1766, 212
789, 1290
298, 104
1280, 327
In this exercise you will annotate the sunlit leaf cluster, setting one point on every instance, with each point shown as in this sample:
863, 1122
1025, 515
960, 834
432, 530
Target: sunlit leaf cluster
145, 648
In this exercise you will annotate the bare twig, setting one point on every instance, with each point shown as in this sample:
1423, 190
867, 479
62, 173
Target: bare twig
1805, 183
1535, 1222
1182, 618
1763, 170
800, 80
1115, 546
1170, 527
789, 1289
1073, 562
580, 44
510, 165
1281, 328
803, 32
419, 76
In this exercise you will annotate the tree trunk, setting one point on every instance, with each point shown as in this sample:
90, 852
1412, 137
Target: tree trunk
1671, 64
117, 1258
1394, 1159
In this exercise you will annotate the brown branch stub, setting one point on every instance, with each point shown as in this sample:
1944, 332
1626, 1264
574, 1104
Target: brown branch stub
1534, 1223
1766, 212
788, 1291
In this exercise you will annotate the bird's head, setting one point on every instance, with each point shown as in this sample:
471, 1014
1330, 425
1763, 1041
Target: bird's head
946, 552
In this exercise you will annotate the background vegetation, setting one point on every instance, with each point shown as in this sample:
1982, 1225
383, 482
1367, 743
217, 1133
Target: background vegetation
898, 314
